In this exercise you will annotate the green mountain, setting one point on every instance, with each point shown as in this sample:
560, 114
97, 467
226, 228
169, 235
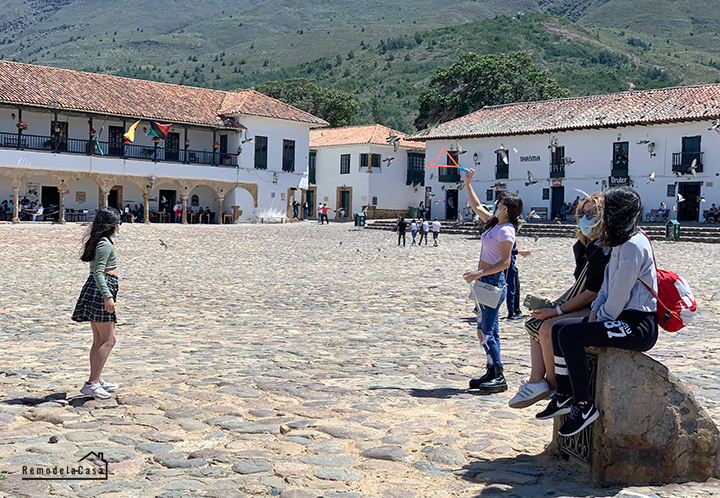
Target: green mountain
382, 53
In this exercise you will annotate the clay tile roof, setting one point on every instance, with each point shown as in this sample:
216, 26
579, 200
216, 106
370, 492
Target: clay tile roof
67, 90
358, 135
667, 105
256, 104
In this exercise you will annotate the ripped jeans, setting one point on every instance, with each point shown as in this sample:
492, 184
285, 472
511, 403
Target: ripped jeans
488, 323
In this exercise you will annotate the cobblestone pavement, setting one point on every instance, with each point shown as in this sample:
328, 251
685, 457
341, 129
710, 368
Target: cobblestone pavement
296, 360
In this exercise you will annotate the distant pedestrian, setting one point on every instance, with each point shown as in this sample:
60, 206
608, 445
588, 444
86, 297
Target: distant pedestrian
575, 204
413, 230
306, 210
319, 212
401, 229
436, 232
178, 212
421, 210
96, 303
425, 232
296, 209
323, 213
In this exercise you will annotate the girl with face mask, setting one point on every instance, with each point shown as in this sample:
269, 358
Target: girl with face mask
572, 306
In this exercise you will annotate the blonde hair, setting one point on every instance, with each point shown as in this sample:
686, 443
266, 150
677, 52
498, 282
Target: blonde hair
598, 199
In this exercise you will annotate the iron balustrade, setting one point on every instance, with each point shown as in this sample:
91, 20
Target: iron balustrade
115, 149
681, 161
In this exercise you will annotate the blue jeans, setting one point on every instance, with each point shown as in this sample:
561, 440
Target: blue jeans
414, 233
488, 323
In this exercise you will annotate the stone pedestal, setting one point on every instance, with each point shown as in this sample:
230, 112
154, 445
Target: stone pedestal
651, 429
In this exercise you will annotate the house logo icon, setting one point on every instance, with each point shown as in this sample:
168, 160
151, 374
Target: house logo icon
91, 467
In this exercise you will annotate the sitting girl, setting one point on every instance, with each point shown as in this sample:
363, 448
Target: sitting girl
571, 307
623, 315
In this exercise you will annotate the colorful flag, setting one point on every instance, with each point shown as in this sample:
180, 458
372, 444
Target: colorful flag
130, 135
158, 130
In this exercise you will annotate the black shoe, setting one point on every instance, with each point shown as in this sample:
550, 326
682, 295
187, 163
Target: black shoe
559, 405
495, 385
489, 375
581, 415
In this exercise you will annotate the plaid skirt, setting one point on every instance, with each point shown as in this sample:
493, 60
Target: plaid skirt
90, 305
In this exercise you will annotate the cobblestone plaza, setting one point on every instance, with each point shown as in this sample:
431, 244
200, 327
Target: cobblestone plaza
299, 360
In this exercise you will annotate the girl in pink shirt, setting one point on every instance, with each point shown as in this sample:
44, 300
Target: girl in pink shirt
497, 243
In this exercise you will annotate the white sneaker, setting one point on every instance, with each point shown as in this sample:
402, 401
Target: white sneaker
109, 387
529, 394
96, 391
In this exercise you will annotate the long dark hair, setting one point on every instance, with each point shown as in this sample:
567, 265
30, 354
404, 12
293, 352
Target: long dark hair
621, 214
103, 225
514, 204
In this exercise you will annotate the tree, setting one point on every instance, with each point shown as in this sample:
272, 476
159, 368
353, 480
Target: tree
334, 106
475, 81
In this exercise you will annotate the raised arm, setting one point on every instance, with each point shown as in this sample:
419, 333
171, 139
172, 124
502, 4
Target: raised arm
475, 203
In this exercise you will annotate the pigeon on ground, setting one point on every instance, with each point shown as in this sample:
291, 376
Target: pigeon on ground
389, 160
557, 220
531, 179
247, 139
651, 178
536, 238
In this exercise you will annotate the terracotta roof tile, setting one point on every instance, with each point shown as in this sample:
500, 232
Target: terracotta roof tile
63, 89
667, 105
358, 135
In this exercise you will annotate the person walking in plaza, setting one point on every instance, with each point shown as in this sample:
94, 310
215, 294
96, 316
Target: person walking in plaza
177, 209
425, 232
497, 242
323, 213
624, 315
436, 232
421, 210
96, 303
319, 212
296, 209
571, 307
401, 229
306, 210
413, 230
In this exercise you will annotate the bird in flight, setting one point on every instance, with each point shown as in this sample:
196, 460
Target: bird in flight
643, 141
531, 179
553, 144
393, 140
503, 153
247, 139
389, 160
532, 214
715, 126
567, 160
497, 185
701, 198
163, 244
460, 150
651, 178
693, 167
680, 198
601, 119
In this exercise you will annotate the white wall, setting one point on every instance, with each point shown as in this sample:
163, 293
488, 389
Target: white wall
387, 183
592, 151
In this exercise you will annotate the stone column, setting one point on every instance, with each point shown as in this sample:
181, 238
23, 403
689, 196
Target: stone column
61, 208
104, 198
183, 201
220, 209
16, 208
146, 208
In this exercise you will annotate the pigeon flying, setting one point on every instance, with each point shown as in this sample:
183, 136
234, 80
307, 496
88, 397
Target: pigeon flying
651, 178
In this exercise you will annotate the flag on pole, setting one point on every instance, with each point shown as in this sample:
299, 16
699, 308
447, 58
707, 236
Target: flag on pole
130, 135
158, 130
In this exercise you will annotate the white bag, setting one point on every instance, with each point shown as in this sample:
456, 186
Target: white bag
485, 294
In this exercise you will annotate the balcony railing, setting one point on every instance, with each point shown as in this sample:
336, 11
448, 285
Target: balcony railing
114, 149
681, 161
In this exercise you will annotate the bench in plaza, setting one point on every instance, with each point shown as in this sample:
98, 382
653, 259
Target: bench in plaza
650, 431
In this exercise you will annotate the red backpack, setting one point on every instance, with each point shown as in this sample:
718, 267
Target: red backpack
676, 305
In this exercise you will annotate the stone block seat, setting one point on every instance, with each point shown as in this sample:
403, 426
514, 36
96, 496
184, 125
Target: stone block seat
651, 429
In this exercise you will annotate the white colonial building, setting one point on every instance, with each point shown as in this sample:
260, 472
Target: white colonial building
587, 143
356, 168
61, 144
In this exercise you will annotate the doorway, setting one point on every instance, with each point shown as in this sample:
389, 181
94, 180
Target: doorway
558, 199
689, 209
451, 200
115, 197
115, 141
172, 146
310, 199
166, 201
344, 202
50, 198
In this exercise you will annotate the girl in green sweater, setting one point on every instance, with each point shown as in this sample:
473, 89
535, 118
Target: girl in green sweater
96, 303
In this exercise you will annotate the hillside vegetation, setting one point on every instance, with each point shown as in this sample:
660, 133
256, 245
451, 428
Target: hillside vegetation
383, 54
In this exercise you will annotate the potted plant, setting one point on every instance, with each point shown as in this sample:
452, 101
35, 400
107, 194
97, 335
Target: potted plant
216, 145
239, 150
92, 132
22, 125
187, 143
156, 139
